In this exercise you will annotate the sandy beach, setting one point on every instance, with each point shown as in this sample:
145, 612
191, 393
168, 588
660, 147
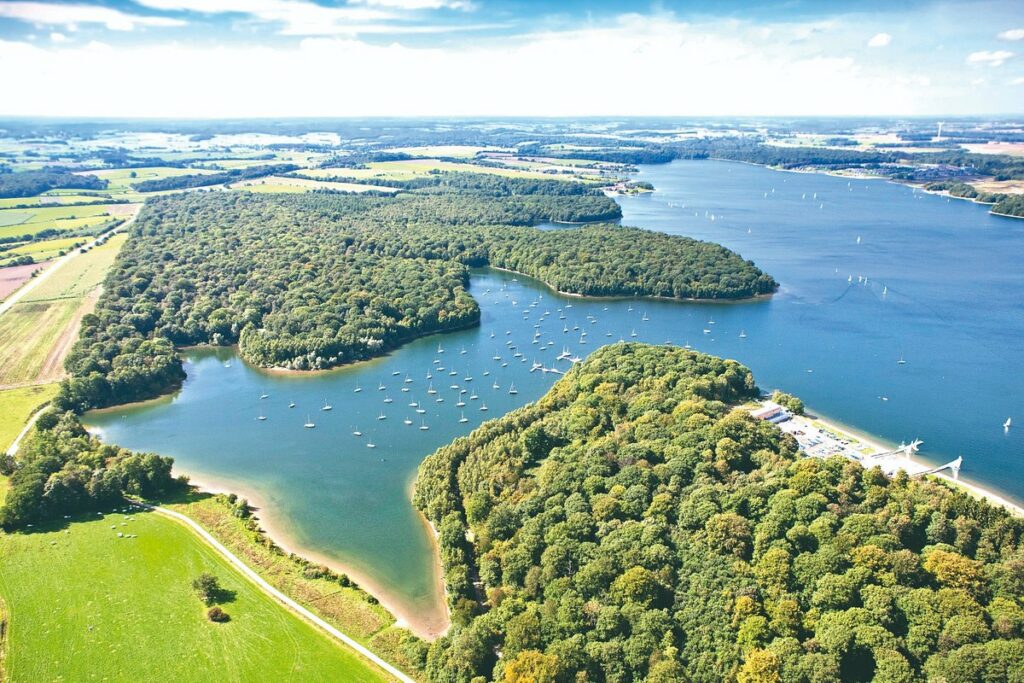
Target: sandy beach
868, 451
428, 626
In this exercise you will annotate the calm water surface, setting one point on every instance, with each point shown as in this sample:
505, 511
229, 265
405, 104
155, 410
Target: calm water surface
938, 283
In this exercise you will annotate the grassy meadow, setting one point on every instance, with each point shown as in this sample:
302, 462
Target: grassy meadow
85, 604
17, 405
346, 608
33, 220
37, 332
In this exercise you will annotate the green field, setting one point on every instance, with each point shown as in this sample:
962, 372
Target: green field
16, 406
120, 180
81, 274
415, 168
89, 218
85, 605
36, 332
42, 250
291, 184
347, 608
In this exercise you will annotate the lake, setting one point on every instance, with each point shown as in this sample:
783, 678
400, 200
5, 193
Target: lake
871, 272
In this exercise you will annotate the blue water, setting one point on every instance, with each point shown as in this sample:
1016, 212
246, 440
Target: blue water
944, 289
944, 282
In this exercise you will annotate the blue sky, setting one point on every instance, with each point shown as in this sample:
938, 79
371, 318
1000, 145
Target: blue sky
204, 58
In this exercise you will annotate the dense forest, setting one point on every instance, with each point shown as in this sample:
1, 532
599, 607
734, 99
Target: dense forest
31, 183
309, 281
1010, 205
631, 525
63, 470
184, 182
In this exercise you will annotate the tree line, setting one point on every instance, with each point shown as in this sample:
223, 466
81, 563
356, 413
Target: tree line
310, 281
184, 182
32, 183
631, 525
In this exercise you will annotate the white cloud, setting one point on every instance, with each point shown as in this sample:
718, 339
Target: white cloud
1012, 34
302, 18
58, 37
722, 69
1017, 81
71, 15
417, 4
880, 40
989, 57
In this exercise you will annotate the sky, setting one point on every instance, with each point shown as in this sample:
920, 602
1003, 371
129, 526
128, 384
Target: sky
286, 58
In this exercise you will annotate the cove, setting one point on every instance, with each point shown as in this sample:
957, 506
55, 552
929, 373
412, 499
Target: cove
942, 290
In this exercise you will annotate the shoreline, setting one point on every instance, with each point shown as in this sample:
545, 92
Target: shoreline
625, 297
428, 628
915, 467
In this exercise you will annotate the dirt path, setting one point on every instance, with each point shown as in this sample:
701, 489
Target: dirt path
53, 365
280, 597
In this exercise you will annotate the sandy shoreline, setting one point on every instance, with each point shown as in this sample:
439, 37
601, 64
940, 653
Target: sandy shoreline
917, 464
426, 626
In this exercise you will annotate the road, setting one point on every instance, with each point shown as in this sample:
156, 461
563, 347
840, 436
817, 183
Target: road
57, 265
263, 585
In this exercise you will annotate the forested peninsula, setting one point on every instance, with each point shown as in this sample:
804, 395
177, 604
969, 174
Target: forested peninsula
631, 525
315, 280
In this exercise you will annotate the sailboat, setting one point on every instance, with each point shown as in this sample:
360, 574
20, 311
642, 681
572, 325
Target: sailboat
439, 349
261, 417
381, 387
407, 421
388, 399
291, 404
512, 389
382, 416
901, 361
483, 408
463, 419
408, 379
370, 443
1008, 423
309, 424
356, 432
357, 389
743, 334
431, 390
263, 396
327, 406
424, 427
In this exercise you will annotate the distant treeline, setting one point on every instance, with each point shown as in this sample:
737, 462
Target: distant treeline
362, 159
313, 280
32, 183
183, 182
1002, 203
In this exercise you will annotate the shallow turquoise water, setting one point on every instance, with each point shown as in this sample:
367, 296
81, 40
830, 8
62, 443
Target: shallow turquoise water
943, 289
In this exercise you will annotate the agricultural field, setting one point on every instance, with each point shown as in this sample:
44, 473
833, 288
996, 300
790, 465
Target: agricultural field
37, 332
121, 179
13, 277
16, 406
80, 275
415, 168
53, 198
42, 250
292, 184
83, 219
453, 151
110, 598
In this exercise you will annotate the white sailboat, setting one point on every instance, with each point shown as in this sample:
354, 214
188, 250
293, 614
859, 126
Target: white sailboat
463, 419
261, 417
309, 423
1008, 423
327, 406
512, 389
